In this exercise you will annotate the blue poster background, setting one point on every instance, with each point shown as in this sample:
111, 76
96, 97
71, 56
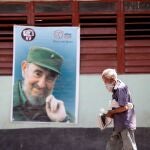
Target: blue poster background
65, 41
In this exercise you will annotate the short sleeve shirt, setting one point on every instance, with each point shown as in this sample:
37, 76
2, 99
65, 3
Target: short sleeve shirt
127, 119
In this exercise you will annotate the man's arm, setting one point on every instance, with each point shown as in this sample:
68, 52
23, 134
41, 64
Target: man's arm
120, 109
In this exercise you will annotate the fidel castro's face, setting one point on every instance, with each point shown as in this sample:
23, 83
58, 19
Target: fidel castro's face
38, 81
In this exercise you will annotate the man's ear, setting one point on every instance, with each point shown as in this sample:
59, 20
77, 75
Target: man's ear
24, 67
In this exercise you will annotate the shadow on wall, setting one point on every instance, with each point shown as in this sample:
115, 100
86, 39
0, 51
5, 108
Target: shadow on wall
64, 138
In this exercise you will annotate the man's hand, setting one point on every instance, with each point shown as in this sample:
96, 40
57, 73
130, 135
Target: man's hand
110, 114
55, 109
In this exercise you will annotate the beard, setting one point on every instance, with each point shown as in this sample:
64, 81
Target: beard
37, 99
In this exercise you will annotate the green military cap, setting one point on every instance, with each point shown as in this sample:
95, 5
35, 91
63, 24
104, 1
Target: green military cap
46, 58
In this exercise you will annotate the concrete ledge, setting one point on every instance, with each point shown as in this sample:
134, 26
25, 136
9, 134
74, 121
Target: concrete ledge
64, 138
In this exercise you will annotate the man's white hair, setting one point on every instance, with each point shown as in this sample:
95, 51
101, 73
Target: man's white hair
109, 74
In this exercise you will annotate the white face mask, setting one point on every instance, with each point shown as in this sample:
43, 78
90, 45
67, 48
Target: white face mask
109, 87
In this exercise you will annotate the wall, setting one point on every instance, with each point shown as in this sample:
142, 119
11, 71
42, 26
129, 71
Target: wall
92, 97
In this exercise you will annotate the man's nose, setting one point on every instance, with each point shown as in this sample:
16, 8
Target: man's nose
42, 82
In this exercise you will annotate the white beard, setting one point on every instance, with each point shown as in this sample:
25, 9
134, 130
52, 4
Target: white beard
35, 100
109, 88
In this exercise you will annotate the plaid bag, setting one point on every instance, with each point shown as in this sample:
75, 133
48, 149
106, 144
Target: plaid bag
103, 121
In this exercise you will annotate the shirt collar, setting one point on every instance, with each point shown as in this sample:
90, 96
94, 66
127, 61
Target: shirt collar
22, 95
117, 84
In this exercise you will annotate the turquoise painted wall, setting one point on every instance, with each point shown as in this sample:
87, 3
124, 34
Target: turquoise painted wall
92, 97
